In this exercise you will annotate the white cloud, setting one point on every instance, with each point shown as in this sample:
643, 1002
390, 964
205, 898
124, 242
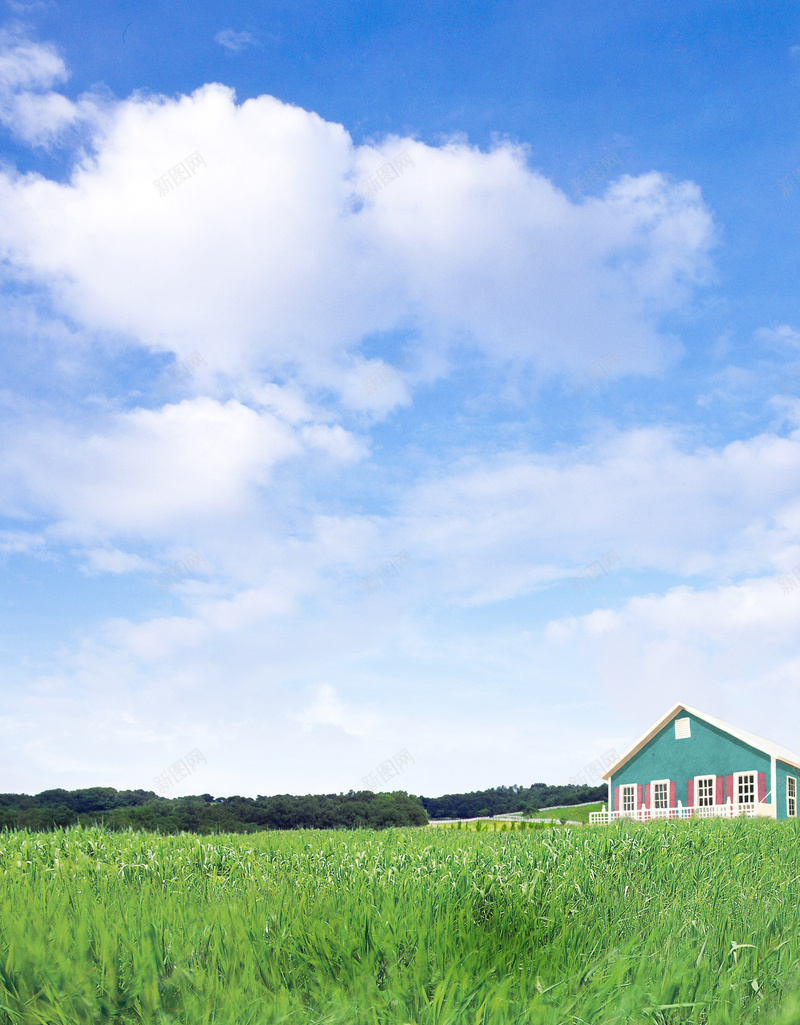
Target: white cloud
286, 403
27, 6
149, 470
505, 529
38, 118
781, 337
159, 640
495, 529
28, 65
263, 257
27, 71
326, 709
716, 649
338, 443
16, 541
235, 41
112, 560
731, 384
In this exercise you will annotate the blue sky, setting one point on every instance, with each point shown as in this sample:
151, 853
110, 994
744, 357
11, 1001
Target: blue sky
386, 379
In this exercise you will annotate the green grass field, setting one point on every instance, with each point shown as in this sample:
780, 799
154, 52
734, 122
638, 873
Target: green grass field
572, 812
491, 825
657, 923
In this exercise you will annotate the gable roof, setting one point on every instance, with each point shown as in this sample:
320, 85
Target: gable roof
759, 743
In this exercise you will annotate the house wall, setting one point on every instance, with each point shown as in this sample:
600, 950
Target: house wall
707, 751
782, 770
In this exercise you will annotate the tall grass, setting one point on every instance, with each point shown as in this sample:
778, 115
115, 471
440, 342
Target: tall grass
666, 922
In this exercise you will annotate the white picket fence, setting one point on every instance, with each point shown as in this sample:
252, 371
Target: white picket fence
708, 811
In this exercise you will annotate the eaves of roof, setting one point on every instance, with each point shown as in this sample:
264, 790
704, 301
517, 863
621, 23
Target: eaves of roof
759, 743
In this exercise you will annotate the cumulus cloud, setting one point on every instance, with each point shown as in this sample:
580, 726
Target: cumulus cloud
269, 254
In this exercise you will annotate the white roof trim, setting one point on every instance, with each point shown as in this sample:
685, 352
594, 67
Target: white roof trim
783, 754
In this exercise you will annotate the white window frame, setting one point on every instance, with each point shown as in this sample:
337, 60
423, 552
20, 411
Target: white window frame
680, 726
653, 793
623, 810
708, 775
736, 777
791, 799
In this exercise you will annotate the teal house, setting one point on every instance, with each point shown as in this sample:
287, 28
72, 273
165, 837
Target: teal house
691, 764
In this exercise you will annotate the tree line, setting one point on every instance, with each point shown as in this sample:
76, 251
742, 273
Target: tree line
501, 800
146, 810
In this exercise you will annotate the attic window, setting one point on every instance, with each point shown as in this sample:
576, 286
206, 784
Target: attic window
682, 729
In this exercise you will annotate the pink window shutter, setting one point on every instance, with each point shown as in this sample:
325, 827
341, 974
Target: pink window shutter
718, 798
616, 799
762, 786
638, 796
647, 795
729, 789
672, 794
690, 793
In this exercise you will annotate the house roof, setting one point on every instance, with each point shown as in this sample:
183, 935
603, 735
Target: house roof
759, 743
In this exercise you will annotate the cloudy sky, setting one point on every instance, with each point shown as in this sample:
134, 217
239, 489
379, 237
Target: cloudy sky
387, 379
